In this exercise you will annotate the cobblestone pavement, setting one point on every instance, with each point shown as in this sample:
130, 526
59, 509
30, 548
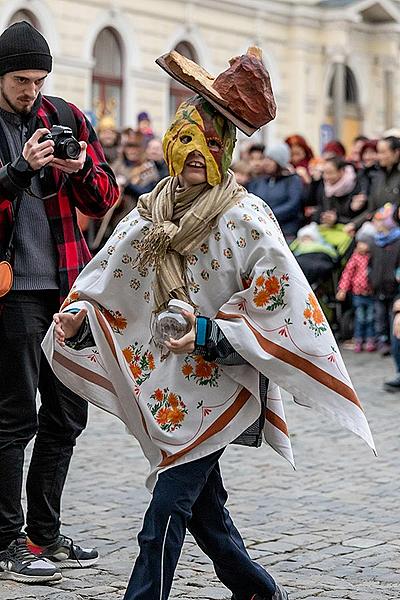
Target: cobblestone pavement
328, 530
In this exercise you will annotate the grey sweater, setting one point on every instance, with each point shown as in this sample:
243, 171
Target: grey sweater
35, 262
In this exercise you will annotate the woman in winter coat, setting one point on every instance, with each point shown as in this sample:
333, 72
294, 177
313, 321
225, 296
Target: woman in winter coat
281, 189
340, 186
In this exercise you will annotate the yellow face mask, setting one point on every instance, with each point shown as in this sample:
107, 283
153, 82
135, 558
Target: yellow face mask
198, 126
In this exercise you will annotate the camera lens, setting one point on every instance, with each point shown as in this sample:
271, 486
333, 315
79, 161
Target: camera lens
68, 148
72, 149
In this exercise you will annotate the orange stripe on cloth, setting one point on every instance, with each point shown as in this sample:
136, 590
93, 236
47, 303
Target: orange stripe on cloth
298, 362
219, 424
276, 421
84, 373
102, 322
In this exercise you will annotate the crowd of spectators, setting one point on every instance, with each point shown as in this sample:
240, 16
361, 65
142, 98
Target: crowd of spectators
339, 212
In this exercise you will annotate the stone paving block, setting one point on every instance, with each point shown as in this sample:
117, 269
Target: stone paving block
362, 542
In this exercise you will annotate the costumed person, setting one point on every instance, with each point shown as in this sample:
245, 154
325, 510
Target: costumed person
199, 237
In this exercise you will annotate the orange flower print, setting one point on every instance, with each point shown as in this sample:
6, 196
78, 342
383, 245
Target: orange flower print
141, 363
173, 399
314, 317
187, 369
312, 300
270, 290
158, 395
136, 371
168, 409
72, 297
119, 321
162, 416
318, 316
152, 364
175, 415
261, 298
201, 371
260, 281
116, 320
128, 354
272, 285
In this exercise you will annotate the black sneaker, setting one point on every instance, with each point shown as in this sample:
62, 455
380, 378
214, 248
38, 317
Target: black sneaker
393, 385
280, 594
65, 554
18, 563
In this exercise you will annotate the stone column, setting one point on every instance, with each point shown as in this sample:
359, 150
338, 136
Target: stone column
339, 90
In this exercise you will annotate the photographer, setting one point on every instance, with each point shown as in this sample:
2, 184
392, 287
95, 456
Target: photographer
40, 189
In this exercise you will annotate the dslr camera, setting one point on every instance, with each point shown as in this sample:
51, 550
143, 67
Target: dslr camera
65, 145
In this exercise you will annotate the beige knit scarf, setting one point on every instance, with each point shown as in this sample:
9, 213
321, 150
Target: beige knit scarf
182, 219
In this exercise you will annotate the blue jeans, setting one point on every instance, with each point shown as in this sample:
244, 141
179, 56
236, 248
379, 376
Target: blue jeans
364, 317
192, 496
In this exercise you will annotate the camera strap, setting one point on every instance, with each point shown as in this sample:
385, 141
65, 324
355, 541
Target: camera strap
65, 114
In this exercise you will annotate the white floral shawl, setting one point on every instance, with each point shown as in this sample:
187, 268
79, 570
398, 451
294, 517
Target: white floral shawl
182, 408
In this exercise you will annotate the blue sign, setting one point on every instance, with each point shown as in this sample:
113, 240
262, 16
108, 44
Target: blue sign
326, 134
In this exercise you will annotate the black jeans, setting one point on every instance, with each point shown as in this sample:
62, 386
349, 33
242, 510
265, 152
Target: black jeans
193, 496
383, 315
24, 320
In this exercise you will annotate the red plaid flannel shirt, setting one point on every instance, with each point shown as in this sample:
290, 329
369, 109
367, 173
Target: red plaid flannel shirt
93, 191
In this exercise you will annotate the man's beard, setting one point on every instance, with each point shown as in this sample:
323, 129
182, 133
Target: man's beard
21, 111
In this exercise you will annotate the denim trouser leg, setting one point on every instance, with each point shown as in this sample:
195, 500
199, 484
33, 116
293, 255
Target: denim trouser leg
364, 317
24, 320
192, 495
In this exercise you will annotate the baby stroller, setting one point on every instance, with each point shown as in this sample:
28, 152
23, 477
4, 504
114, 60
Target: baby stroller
322, 253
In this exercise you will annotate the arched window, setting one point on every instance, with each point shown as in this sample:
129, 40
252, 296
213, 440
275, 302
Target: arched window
177, 92
24, 15
107, 75
344, 107
351, 89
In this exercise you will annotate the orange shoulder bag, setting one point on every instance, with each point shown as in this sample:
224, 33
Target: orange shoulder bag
6, 270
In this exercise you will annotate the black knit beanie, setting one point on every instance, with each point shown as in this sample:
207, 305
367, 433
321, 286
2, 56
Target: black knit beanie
23, 47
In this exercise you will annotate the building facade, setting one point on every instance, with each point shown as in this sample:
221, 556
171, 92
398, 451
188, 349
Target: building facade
334, 64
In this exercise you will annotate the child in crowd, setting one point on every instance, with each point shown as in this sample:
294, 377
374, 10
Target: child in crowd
384, 264
242, 172
316, 257
355, 279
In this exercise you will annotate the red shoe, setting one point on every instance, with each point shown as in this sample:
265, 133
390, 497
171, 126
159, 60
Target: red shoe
358, 347
370, 346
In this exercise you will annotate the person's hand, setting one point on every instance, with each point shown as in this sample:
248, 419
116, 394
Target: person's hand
341, 295
329, 218
38, 154
357, 202
396, 326
350, 229
185, 345
69, 165
303, 173
68, 324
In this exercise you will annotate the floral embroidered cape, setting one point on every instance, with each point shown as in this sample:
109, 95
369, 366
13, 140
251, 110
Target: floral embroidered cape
180, 407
